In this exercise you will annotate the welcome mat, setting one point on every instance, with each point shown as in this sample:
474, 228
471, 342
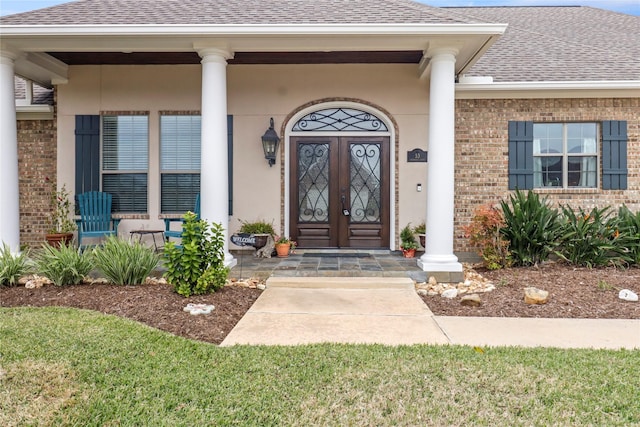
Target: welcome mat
335, 255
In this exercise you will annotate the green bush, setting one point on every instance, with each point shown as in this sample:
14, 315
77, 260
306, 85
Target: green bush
13, 266
407, 240
257, 227
531, 227
589, 239
197, 266
627, 233
65, 265
125, 263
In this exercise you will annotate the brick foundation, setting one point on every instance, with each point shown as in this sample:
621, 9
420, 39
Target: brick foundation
482, 151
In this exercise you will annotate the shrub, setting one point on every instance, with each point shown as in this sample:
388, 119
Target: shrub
258, 227
420, 228
64, 265
125, 263
407, 240
484, 234
588, 239
627, 233
13, 266
197, 267
531, 227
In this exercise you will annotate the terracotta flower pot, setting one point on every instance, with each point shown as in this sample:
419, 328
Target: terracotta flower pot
56, 239
282, 249
408, 253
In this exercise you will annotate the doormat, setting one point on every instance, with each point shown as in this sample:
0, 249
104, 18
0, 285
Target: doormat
335, 255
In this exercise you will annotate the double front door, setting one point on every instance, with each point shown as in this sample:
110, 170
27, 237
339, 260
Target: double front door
340, 191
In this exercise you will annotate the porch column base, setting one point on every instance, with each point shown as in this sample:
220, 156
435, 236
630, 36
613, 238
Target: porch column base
230, 262
444, 268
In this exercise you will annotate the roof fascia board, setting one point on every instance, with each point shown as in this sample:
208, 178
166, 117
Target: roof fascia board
569, 89
251, 29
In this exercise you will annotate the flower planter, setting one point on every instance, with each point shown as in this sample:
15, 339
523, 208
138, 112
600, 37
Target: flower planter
422, 238
57, 239
261, 240
282, 249
408, 253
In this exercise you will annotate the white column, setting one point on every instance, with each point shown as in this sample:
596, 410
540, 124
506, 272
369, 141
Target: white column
9, 189
214, 181
438, 256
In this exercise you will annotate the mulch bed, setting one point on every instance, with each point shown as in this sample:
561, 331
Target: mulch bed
574, 293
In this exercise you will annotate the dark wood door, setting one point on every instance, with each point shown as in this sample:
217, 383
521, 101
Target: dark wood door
340, 191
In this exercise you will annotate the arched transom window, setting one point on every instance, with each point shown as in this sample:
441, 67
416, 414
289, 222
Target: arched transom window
340, 120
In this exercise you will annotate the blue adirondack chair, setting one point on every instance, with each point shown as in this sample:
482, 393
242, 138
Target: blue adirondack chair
95, 216
177, 234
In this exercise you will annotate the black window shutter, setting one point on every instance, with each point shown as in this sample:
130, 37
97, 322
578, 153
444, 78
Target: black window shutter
520, 155
230, 160
87, 153
614, 155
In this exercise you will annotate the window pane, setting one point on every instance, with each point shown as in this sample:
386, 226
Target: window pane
180, 143
547, 138
581, 138
582, 171
179, 192
547, 171
129, 191
125, 143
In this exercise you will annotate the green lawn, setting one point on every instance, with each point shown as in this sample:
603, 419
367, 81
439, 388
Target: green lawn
72, 367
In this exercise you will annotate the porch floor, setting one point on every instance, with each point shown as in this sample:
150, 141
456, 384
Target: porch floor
329, 263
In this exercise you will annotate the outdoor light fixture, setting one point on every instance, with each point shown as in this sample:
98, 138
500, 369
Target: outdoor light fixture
270, 141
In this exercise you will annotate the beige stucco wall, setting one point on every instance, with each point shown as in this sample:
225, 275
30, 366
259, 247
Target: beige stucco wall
255, 93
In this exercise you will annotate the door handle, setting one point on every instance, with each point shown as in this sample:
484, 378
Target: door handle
343, 200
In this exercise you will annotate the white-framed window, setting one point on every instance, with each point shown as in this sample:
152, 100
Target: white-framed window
179, 162
565, 155
125, 161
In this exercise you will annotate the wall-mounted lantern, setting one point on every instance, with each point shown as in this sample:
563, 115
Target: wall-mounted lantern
270, 142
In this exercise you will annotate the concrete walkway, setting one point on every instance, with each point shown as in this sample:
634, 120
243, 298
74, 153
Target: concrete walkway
370, 310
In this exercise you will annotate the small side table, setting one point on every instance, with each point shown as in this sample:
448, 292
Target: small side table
153, 233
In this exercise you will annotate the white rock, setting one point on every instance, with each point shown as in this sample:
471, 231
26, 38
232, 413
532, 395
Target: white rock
450, 293
261, 286
628, 295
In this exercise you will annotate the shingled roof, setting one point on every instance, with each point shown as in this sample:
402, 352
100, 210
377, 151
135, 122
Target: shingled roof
224, 12
568, 43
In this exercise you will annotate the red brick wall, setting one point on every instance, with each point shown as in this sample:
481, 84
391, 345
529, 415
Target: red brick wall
482, 150
36, 162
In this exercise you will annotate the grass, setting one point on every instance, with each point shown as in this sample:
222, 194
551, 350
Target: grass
62, 366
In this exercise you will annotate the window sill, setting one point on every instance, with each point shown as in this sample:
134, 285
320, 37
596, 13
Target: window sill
170, 216
130, 216
556, 190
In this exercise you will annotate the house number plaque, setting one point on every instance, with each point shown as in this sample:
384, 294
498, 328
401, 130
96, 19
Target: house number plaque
417, 156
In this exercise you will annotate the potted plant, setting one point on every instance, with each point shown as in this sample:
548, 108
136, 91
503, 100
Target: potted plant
260, 229
61, 226
420, 231
407, 242
284, 245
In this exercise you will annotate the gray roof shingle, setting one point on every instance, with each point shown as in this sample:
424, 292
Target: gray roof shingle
560, 44
220, 12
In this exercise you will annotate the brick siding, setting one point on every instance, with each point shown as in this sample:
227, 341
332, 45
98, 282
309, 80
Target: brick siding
482, 151
36, 162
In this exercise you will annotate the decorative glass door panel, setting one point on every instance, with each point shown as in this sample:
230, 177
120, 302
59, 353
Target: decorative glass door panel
313, 182
340, 191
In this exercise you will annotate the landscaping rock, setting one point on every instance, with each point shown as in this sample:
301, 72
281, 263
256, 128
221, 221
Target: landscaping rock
196, 309
628, 295
535, 296
261, 286
472, 300
450, 293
